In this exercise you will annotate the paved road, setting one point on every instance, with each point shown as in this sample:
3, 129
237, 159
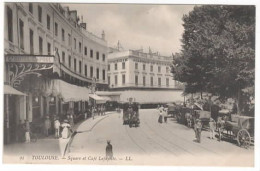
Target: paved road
153, 143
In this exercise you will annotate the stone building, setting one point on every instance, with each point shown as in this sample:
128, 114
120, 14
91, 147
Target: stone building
52, 63
137, 73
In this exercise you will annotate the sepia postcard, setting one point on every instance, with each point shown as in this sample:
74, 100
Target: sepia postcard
129, 84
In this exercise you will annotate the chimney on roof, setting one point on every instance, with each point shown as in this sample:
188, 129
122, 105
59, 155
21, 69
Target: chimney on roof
150, 51
103, 35
83, 25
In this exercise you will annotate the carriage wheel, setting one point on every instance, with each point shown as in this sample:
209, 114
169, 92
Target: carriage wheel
243, 138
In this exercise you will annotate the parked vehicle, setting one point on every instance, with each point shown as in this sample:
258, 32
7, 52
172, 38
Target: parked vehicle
131, 114
241, 129
173, 109
111, 105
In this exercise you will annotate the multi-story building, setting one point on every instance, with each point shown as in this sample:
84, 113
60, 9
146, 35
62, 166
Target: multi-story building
48, 53
134, 69
144, 77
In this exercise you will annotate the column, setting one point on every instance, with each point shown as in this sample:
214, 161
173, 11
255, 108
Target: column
6, 121
47, 106
29, 107
56, 106
61, 108
41, 101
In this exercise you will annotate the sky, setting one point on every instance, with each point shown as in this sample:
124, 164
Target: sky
136, 26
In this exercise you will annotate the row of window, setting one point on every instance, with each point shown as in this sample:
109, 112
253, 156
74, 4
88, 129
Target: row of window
21, 33
79, 44
136, 67
136, 80
85, 67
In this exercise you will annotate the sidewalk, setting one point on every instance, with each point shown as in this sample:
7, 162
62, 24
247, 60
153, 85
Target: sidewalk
84, 126
48, 145
90, 123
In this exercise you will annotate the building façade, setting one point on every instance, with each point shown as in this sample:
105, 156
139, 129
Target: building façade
52, 63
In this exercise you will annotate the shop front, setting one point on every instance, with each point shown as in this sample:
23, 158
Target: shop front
13, 115
35, 92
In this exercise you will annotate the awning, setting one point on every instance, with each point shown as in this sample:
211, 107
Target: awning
98, 99
152, 97
107, 98
70, 92
10, 90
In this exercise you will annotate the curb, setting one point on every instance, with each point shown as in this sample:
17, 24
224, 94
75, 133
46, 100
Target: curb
92, 126
67, 148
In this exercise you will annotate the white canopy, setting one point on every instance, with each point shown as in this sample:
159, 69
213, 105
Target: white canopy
99, 99
70, 92
10, 90
107, 98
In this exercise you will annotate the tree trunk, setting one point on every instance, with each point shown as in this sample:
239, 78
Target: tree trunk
201, 97
238, 102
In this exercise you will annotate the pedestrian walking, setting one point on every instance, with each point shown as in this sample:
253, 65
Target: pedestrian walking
160, 116
71, 120
93, 112
197, 130
66, 129
47, 126
57, 128
220, 127
165, 115
27, 131
85, 114
104, 110
212, 126
109, 150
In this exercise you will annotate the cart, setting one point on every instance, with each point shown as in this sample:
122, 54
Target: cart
131, 115
242, 129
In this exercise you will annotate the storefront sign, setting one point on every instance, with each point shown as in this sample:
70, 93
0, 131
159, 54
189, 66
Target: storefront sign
30, 59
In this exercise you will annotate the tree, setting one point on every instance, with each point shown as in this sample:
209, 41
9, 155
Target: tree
218, 52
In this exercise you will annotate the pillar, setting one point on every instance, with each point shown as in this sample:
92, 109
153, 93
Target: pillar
47, 106
41, 101
6, 120
56, 106
79, 106
29, 107
61, 108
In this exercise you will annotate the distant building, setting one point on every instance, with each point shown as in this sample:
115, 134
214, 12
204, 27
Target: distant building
144, 77
50, 58
135, 69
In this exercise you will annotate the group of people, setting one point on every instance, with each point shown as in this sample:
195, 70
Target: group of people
98, 110
213, 125
62, 129
163, 114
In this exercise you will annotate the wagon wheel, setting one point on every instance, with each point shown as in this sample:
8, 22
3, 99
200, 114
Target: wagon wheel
243, 138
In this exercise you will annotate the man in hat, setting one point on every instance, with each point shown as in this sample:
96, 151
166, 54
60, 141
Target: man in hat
109, 150
197, 129
212, 125
57, 128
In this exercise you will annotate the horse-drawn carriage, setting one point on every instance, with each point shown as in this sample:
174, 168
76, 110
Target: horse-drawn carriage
188, 115
239, 128
182, 114
131, 114
173, 109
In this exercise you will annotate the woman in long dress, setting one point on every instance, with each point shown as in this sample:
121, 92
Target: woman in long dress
66, 128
